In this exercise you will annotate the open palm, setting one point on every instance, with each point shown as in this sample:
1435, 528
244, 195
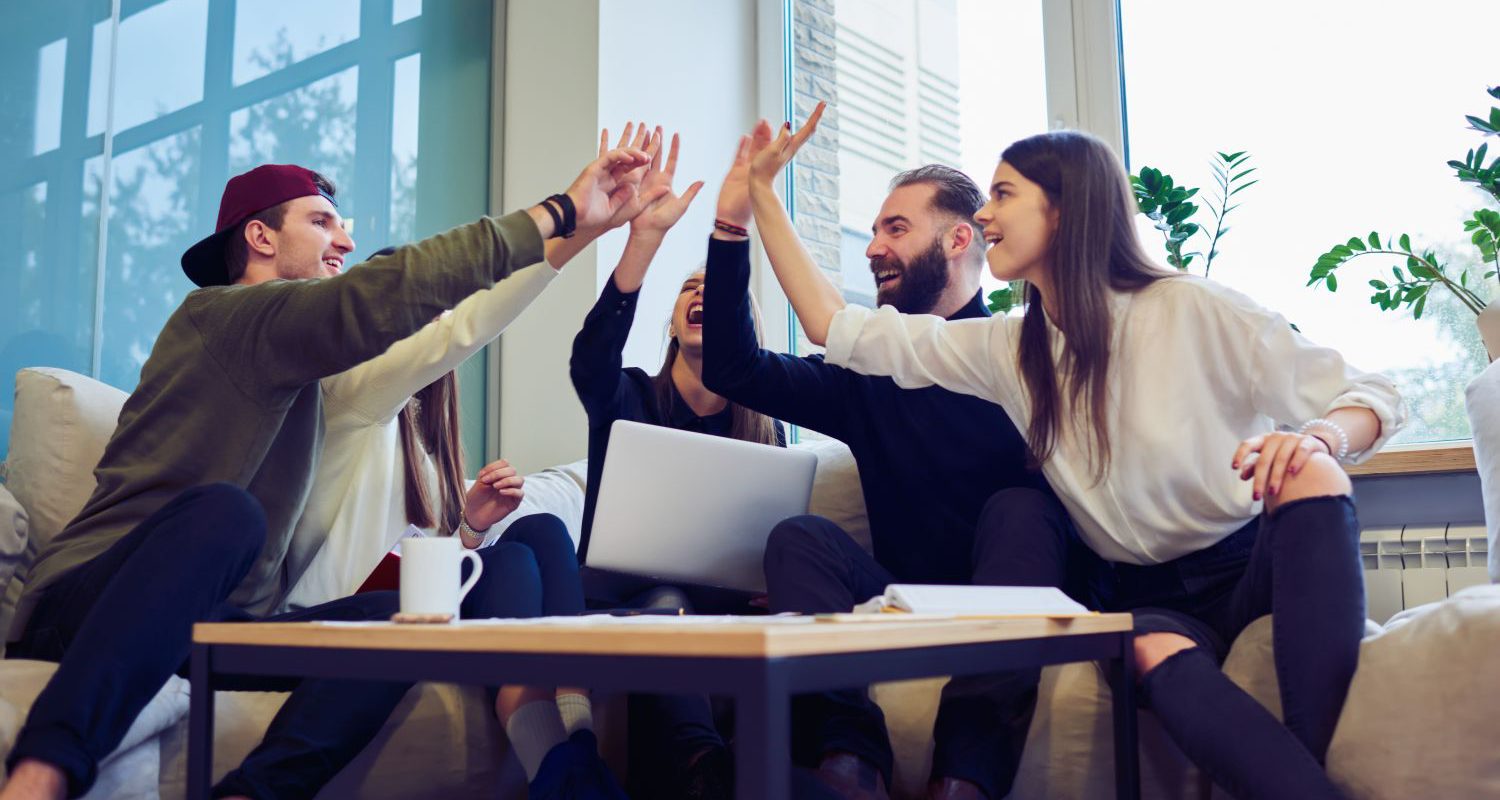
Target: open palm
769, 160
663, 206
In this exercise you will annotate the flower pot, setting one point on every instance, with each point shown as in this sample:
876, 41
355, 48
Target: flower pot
1489, 329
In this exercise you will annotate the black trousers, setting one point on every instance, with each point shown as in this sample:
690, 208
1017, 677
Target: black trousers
813, 566
1300, 564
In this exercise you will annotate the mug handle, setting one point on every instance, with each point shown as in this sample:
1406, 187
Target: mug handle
463, 591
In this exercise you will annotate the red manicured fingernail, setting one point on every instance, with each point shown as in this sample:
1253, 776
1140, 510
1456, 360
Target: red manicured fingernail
787, 125
1236, 465
1257, 495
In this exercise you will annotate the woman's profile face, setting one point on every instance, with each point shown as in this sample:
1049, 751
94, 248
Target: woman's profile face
1018, 224
687, 314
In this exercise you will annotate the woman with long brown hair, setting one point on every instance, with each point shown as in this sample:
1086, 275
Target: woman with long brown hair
393, 458
1194, 439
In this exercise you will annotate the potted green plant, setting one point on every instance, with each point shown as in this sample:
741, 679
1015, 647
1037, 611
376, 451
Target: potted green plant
1421, 268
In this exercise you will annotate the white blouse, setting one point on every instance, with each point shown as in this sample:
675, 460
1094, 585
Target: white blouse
1195, 369
356, 508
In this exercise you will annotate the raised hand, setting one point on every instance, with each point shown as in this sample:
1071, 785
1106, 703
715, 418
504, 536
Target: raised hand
663, 206
604, 187
495, 493
734, 195
1277, 455
769, 160
648, 142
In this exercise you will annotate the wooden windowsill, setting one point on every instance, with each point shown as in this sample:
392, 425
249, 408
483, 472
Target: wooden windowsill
1420, 459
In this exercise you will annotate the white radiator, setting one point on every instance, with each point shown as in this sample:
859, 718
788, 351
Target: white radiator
1417, 564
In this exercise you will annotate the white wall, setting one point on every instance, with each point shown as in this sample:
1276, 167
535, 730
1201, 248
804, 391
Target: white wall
572, 67
690, 67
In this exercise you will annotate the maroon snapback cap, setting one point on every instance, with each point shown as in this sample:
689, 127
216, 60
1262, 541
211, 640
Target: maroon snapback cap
245, 196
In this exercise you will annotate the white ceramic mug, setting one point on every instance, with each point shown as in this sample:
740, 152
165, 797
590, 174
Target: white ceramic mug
430, 572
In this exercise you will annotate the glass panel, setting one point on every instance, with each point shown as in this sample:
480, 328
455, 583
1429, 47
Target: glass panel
160, 64
152, 197
99, 62
403, 10
51, 61
48, 196
312, 126
911, 82
1197, 82
273, 34
404, 105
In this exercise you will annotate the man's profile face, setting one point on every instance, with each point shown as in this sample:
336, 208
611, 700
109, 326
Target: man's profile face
312, 242
906, 254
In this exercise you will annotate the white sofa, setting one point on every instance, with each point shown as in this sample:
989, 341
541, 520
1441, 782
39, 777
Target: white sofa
1414, 724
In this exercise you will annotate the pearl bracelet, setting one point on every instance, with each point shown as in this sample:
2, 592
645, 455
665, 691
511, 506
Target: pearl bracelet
1342, 450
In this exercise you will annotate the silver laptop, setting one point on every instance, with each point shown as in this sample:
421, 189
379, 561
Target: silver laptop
693, 508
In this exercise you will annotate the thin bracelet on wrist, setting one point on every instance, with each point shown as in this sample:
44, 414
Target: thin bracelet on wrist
731, 228
1340, 452
464, 530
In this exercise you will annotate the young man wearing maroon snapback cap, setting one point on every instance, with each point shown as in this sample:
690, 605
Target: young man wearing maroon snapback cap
208, 469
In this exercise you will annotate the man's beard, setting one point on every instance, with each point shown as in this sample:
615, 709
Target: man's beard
922, 280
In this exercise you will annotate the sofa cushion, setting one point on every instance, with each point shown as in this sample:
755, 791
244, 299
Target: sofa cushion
68, 421
837, 493
1414, 722
50, 469
14, 533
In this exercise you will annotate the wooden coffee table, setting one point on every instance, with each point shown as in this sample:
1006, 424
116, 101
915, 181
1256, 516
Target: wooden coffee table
759, 661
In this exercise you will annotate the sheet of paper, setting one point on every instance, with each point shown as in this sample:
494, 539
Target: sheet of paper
1044, 601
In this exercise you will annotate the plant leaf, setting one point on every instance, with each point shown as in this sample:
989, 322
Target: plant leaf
1405, 242
1333, 281
1374, 240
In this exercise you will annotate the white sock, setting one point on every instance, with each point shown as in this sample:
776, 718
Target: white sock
534, 729
577, 712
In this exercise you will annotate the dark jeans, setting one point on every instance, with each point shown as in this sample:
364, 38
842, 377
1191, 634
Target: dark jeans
121, 624
813, 566
1300, 563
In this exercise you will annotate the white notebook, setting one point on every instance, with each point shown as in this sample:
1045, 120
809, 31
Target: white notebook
976, 601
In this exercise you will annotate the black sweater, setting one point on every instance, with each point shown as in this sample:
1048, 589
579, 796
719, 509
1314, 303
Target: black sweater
928, 458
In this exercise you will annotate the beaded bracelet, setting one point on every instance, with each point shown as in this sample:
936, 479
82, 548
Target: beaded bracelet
1342, 450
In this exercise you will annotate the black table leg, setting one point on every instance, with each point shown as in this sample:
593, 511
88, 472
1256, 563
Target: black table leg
762, 711
200, 762
1127, 761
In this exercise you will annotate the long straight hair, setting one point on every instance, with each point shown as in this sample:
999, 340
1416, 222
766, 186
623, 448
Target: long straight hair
431, 426
1093, 253
745, 425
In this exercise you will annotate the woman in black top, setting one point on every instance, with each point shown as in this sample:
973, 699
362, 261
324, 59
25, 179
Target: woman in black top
675, 396
675, 747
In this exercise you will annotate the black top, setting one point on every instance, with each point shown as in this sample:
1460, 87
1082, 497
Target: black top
928, 458
609, 392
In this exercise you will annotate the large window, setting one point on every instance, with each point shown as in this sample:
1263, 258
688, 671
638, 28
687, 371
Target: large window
123, 121
1349, 111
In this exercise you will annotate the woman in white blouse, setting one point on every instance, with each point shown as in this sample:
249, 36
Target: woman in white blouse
1193, 437
392, 458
